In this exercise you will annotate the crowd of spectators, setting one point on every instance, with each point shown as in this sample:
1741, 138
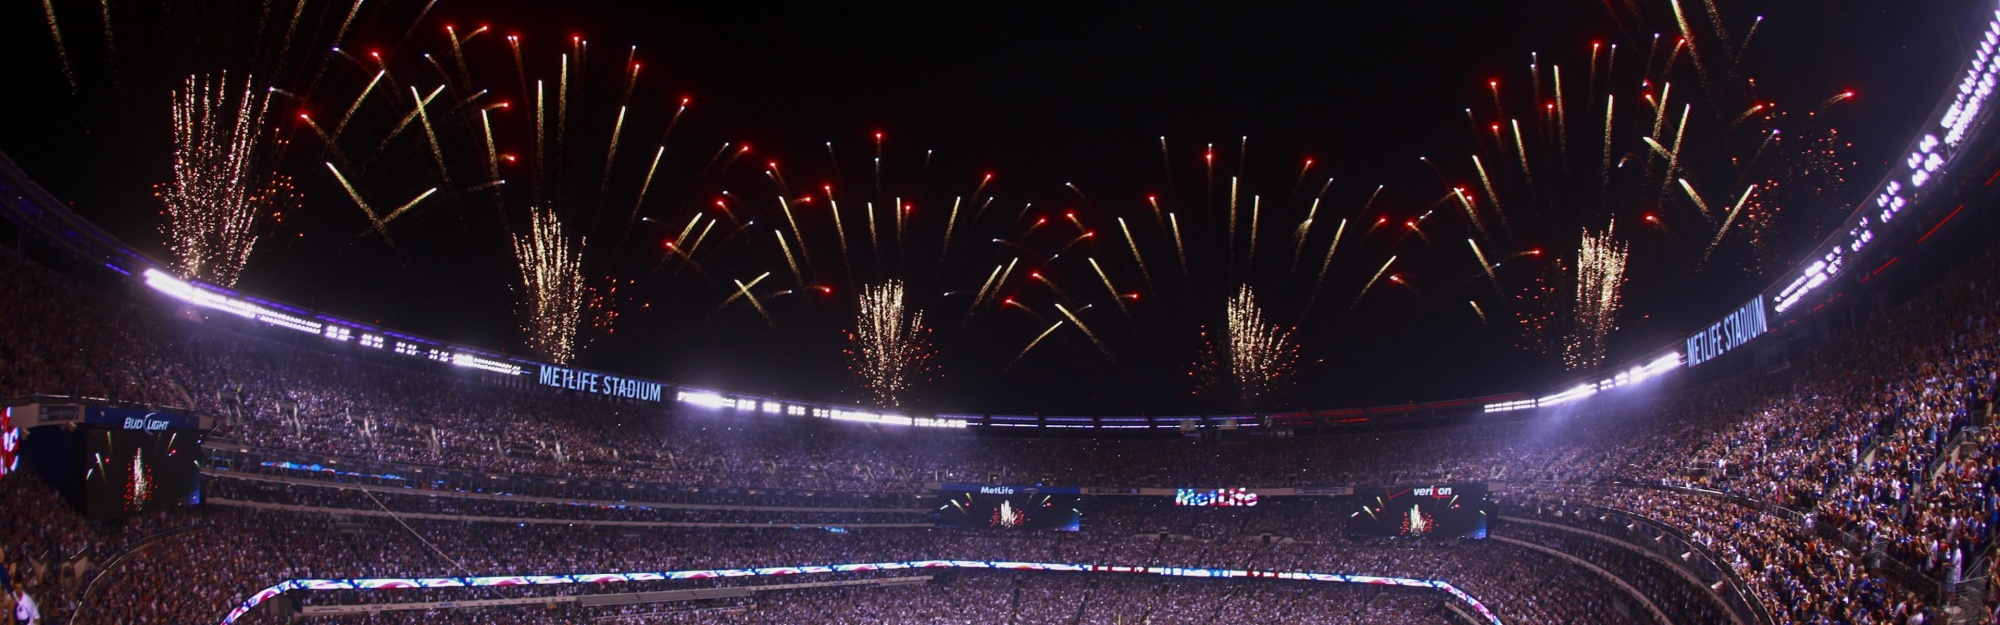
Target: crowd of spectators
217, 555
969, 598
1680, 599
1882, 435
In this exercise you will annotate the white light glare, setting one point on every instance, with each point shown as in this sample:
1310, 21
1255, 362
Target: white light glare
705, 400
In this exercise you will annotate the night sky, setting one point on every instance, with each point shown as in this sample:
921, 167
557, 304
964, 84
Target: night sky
1041, 97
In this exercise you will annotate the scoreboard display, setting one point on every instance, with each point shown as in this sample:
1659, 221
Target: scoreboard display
1008, 508
1444, 511
129, 471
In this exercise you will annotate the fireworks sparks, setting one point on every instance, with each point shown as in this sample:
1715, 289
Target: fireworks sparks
1033, 343
1726, 221
397, 145
1256, 358
552, 294
62, 53
1600, 287
219, 188
891, 345
1086, 329
1371, 281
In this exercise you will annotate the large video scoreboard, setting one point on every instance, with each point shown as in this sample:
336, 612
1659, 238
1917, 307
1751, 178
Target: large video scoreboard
112, 461
1010, 508
1450, 510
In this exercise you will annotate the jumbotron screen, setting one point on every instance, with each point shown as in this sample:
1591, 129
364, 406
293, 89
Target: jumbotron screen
1009, 509
130, 471
1441, 511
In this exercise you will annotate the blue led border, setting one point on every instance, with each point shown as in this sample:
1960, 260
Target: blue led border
600, 578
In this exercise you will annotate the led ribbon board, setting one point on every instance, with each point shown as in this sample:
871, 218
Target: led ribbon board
1215, 498
544, 374
1730, 333
600, 578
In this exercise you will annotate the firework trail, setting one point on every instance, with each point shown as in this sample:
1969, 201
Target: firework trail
1301, 179
611, 153
1562, 118
373, 219
349, 115
874, 244
891, 346
62, 53
1698, 202
1326, 264
1305, 228
104, 9
797, 235
1145, 273
1521, 148
1032, 344
1256, 209
552, 295
345, 22
1680, 133
1053, 287
1746, 40
541, 136
409, 205
839, 231
944, 245
1004, 274
789, 260
1086, 329
980, 297
1687, 35
562, 99
1180, 249
219, 187
492, 154
744, 290
1371, 282
646, 185
1116, 297
1726, 221
1471, 213
520, 68
437, 153
1604, 173
1483, 265
701, 237
1487, 183
1600, 286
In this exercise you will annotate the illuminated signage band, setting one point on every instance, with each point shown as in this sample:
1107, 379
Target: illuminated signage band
600, 384
1217, 498
1730, 333
604, 578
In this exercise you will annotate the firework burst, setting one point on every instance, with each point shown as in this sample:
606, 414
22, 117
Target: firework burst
1255, 357
892, 349
553, 292
1600, 287
219, 189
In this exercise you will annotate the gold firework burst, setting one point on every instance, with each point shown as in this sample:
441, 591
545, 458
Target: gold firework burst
219, 189
892, 349
553, 292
